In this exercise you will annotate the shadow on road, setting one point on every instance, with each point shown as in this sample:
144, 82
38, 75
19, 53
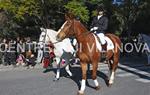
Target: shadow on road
138, 63
78, 76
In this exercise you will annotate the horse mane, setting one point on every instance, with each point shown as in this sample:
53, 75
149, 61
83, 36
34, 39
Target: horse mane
83, 28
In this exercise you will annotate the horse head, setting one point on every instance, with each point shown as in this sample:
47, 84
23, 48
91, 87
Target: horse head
67, 29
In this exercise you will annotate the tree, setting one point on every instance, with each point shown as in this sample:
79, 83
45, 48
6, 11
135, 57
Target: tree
18, 8
23, 15
126, 14
16, 11
29, 14
78, 9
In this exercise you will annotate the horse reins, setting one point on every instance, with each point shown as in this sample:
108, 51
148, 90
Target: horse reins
85, 33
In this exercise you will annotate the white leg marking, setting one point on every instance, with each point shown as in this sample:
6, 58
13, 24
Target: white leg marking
68, 71
58, 68
83, 84
96, 82
111, 80
58, 73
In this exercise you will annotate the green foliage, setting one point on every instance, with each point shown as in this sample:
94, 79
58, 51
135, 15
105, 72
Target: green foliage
31, 13
94, 13
125, 15
78, 9
95, 1
18, 8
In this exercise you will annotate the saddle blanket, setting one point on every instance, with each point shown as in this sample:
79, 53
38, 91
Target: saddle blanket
110, 44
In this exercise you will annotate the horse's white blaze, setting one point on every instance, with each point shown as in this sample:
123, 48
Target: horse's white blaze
111, 80
68, 71
62, 27
83, 84
96, 82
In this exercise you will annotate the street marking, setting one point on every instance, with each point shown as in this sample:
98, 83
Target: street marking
125, 75
143, 80
143, 73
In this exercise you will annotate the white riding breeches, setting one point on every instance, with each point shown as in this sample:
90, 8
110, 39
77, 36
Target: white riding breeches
102, 38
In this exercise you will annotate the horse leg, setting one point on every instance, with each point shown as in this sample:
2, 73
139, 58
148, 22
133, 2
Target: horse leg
39, 56
68, 70
94, 75
83, 82
58, 69
113, 69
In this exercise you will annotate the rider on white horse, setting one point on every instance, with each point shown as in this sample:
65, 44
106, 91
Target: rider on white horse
99, 26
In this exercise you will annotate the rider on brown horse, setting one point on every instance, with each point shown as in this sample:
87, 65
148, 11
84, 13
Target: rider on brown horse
99, 26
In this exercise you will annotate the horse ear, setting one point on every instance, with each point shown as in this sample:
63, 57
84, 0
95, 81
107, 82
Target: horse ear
69, 16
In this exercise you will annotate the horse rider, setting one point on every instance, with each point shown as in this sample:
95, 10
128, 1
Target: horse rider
99, 26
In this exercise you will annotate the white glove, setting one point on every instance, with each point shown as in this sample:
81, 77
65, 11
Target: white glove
91, 29
95, 28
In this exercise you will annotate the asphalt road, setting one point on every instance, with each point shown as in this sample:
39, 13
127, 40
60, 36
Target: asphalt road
132, 78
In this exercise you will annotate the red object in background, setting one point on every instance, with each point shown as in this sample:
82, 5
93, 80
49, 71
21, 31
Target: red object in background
46, 63
52, 55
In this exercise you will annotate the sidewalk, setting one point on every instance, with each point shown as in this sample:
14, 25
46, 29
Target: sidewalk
18, 68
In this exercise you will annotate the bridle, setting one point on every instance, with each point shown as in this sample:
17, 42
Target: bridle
81, 34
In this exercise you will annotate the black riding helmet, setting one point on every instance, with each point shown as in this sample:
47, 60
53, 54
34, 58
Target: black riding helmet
100, 8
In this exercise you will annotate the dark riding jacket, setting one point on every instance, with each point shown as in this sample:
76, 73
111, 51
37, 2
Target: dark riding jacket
101, 23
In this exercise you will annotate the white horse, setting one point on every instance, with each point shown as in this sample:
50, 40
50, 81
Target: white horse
63, 50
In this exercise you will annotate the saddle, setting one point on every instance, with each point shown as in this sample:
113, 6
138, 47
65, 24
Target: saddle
104, 49
108, 46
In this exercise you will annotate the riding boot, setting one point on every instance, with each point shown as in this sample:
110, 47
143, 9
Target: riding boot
104, 47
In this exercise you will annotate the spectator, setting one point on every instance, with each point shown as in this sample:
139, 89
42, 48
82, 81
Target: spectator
48, 56
20, 60
31, 61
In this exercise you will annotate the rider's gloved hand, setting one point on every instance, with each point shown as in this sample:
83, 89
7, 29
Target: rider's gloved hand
91, 29
94, 28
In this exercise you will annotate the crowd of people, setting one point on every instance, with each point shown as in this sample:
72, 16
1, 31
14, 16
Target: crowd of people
17, 52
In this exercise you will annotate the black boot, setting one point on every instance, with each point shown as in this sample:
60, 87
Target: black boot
104, 47
103, 54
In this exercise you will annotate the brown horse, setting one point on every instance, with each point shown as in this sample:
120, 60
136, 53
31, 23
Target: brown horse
87, 50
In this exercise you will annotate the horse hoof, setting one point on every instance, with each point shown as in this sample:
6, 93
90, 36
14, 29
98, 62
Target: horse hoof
80, 93
56, 79
109, 85
69, 76
97, 88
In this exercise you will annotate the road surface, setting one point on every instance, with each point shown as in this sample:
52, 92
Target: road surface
132, 78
